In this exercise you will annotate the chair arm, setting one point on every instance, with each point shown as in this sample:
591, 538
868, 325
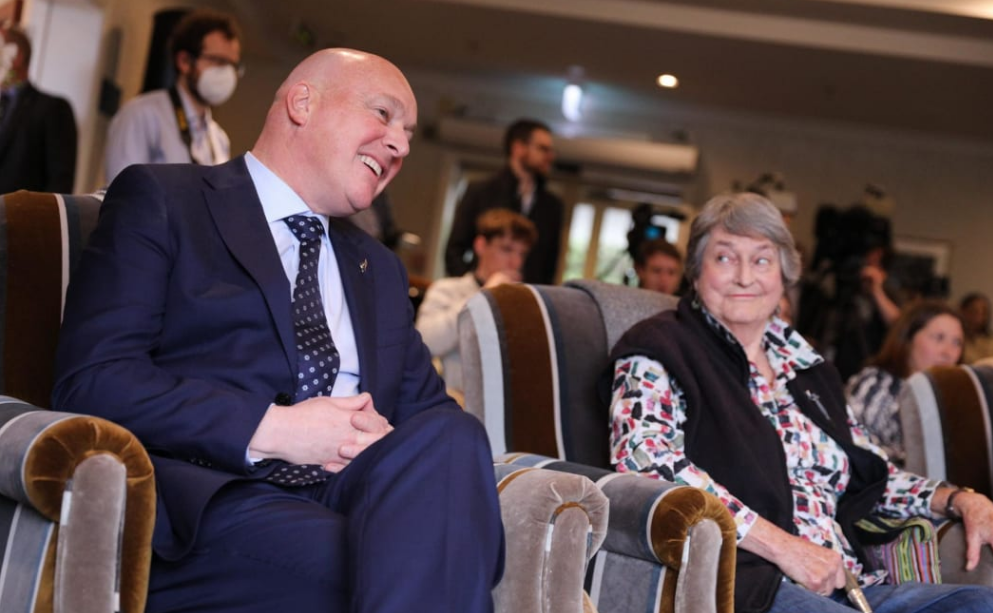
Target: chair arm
951, 552
94, 481
682, 528
553, 524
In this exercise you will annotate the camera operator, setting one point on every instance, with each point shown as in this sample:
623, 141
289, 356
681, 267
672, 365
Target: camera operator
847, 301
873, 283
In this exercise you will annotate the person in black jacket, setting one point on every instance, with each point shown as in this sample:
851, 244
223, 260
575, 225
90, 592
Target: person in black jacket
723, 395
520, 187
37, 131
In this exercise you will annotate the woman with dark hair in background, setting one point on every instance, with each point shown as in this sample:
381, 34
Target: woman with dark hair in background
928, 333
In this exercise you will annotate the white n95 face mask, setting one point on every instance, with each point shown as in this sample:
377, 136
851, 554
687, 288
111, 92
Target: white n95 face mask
216, 84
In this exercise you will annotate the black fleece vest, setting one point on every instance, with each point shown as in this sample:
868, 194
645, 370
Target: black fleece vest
728, 436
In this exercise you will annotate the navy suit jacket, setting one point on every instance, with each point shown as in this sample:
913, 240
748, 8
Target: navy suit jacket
177, 326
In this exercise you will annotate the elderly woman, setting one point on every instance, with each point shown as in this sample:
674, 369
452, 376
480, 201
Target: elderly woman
721, 394
928, 333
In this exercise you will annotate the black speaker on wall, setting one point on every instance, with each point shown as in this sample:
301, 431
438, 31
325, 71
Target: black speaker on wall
159, 71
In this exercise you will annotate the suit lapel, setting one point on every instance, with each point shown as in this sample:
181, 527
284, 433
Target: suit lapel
358, 279
237, 212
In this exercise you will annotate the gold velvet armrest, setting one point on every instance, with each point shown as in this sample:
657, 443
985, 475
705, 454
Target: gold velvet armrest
83, 490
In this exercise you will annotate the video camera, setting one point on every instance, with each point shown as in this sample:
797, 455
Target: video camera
645, 227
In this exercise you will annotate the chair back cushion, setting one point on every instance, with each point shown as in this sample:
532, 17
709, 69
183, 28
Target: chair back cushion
532, 356
41, 237
945, 416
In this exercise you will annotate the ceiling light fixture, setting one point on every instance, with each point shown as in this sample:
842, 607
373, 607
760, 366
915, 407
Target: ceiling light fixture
667, 81
572, 95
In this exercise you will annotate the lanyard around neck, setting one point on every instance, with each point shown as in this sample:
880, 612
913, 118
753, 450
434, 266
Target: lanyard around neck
184, 126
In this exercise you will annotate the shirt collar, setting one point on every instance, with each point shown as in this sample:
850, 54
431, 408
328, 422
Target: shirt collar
786, 349
279, 201
11, 92
196, 121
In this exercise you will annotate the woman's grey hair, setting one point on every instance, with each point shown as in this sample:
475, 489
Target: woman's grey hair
744, 214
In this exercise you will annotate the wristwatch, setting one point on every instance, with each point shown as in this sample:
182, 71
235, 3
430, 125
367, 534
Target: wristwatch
950, 511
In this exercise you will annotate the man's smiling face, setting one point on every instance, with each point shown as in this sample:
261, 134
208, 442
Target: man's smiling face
360, 133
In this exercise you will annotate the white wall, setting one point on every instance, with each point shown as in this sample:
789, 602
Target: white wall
941, 185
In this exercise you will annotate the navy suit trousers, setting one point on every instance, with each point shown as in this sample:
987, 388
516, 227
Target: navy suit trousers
412, 524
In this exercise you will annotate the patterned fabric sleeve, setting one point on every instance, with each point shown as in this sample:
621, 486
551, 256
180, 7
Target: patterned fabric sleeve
907, 495
647, 417
872, 395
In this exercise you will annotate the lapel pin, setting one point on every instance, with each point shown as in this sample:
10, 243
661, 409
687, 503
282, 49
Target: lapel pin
364, 265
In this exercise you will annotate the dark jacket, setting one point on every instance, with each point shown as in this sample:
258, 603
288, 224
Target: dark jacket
37, 144
501, 191
736, 444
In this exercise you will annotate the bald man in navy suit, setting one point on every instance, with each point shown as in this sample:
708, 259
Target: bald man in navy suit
180, 326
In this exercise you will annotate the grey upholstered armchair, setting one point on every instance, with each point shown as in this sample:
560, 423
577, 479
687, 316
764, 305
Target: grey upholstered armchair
945, 417
77, 493
531, 358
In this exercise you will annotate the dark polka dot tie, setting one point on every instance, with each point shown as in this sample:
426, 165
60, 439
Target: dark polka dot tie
317, 357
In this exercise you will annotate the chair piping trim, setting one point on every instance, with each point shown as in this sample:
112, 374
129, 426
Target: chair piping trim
64, 231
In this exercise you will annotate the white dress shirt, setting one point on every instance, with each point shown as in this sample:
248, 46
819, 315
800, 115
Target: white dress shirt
144, 131
278, 202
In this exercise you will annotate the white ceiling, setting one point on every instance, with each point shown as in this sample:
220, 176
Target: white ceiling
922, 65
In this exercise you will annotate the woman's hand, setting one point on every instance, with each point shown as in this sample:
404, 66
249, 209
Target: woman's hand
977, 517
819, 569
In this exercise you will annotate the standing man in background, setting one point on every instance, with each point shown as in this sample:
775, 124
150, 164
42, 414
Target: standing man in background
520, 187
37, 131
175, 125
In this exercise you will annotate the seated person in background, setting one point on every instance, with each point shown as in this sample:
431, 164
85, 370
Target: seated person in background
975, 312
306, 456
503, 240
720, 394
659, 266
928, 333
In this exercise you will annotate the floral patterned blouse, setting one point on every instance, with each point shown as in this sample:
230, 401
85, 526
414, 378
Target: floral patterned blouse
648, 412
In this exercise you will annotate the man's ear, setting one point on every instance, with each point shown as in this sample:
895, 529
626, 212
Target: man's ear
300, 102
478, 244
517, 149
184, 62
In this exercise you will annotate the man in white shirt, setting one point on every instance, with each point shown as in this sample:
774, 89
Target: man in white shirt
503, 240
175, 125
